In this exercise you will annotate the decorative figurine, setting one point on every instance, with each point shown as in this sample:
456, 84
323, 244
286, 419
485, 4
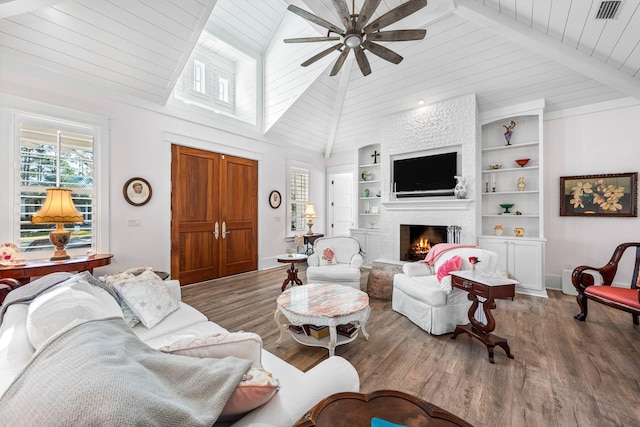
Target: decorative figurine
521, 183
509, 131
498, 229
460, 191
375, 156
366, 192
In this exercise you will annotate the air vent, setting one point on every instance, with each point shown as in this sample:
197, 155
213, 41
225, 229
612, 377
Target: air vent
608, 9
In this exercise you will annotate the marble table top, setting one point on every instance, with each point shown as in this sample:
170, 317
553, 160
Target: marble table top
323, 300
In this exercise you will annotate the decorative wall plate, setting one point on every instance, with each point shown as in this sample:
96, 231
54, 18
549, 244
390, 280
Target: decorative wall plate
275, 199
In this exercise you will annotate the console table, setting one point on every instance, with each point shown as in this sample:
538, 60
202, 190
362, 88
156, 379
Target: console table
37, 268
488, 289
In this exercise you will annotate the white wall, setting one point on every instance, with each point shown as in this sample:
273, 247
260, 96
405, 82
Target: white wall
139, 147
586, 144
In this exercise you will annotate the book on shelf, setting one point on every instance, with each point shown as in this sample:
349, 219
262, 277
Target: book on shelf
297, 329
347, 330
318, 332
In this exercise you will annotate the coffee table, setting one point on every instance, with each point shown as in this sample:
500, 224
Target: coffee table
322, 305
356, 409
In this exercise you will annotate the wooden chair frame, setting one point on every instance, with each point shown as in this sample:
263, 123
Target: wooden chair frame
581, 280
6, 286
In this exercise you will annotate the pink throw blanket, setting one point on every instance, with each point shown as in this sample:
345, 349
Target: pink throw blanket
438, 250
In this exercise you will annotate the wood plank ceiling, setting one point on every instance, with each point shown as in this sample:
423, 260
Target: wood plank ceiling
504, 51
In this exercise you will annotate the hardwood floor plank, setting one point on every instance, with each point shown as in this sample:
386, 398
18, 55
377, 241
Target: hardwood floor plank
565, 372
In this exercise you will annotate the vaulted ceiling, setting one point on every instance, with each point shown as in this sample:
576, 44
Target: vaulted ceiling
505, 51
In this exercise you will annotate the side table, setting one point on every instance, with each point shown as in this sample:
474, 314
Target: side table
489, 289
292, 272
350, 409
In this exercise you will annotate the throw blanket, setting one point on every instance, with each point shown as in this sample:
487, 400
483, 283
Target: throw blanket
438, 250
99, 373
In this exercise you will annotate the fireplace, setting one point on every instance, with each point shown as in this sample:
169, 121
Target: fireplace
416, 240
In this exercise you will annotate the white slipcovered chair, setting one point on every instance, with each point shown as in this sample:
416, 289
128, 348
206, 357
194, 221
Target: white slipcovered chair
343, 268
431, 304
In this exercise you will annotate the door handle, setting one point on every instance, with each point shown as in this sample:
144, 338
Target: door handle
216, 233
224, 230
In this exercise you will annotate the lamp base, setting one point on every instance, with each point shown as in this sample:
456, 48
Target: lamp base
309, 224
60, 237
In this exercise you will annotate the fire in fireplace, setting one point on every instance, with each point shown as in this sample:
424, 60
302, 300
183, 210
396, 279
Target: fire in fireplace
417, 240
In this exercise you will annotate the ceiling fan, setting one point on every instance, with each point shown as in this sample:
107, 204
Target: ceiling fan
360, 36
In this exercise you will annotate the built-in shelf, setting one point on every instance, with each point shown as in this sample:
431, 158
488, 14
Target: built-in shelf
520, 169
509, 216
370, 165
497, 193
369, 214
370, 198
426, 204
510, 147
373, 181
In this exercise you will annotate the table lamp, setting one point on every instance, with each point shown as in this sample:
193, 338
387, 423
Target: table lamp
310, 213
58, 208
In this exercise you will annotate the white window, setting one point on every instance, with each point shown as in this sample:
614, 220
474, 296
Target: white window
298, 198
223, 89
53, 153
199, 79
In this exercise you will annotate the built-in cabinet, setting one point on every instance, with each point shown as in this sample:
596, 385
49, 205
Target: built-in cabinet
515, 232
369, 242
369, 207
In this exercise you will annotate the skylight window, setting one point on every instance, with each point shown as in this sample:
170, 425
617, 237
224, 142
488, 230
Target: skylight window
219, 78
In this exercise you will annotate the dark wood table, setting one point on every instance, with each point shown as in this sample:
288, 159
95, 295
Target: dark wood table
357, 410
489, 289
37, 268
309, 240
292, 272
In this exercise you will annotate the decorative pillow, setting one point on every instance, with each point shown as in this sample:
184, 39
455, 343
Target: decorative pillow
452, 264
256, 388
71, 302
328, 257
148, 296
244, 345
129, 317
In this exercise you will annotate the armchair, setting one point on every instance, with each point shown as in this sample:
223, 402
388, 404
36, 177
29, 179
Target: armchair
342, 268
433, 304
625, 299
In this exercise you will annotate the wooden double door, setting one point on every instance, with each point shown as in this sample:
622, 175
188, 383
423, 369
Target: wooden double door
214, 215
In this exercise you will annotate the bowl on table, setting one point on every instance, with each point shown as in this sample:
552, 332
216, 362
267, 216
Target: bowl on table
522, 162
495, 166
506, 207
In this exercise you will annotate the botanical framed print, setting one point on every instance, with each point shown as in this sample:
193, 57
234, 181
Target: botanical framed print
137, 191
611, 195
275, 199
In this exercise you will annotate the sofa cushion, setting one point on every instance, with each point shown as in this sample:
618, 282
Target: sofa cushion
256, 388
171, 326
422, 288
148, 297
328, 257
70, 302
244, 345
337, 273
129, 316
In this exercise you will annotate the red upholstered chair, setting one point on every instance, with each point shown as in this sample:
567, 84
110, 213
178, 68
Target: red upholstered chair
625, 299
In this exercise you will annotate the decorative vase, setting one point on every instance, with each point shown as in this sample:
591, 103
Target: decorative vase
460, 191
498, 229
366, 176
521, 183
509, 131
366, 192
518, 231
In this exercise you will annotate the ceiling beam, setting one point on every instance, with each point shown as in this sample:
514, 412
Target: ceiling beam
17, 7
548, 47
338, 104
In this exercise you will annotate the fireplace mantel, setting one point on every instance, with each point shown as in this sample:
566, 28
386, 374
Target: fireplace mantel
425, 204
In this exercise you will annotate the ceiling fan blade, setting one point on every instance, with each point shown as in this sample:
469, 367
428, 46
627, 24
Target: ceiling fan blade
343, 11
397, 35
366, 12
321, 54
382, 52
396, 14
311, 39
362, 60
315, 19
340, 61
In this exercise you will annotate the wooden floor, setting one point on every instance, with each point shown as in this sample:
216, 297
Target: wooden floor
565, 373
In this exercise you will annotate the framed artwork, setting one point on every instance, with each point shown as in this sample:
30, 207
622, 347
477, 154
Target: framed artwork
137, 191
275, 199
611, 195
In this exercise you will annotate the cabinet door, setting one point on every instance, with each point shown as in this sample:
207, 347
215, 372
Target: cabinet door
525, 261
500, 247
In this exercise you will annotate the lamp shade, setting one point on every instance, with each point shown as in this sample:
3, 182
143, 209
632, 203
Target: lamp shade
310, 211
58, 208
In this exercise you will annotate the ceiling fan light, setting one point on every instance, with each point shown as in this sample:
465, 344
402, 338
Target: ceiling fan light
352, 40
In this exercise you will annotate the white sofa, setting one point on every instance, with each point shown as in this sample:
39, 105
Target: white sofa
430, 304
299, 391
348, 260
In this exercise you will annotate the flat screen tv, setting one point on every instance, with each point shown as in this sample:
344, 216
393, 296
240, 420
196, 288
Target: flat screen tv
431, 175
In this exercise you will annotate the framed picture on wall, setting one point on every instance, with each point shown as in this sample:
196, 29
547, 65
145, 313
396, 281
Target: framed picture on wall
610, 195
137, 191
